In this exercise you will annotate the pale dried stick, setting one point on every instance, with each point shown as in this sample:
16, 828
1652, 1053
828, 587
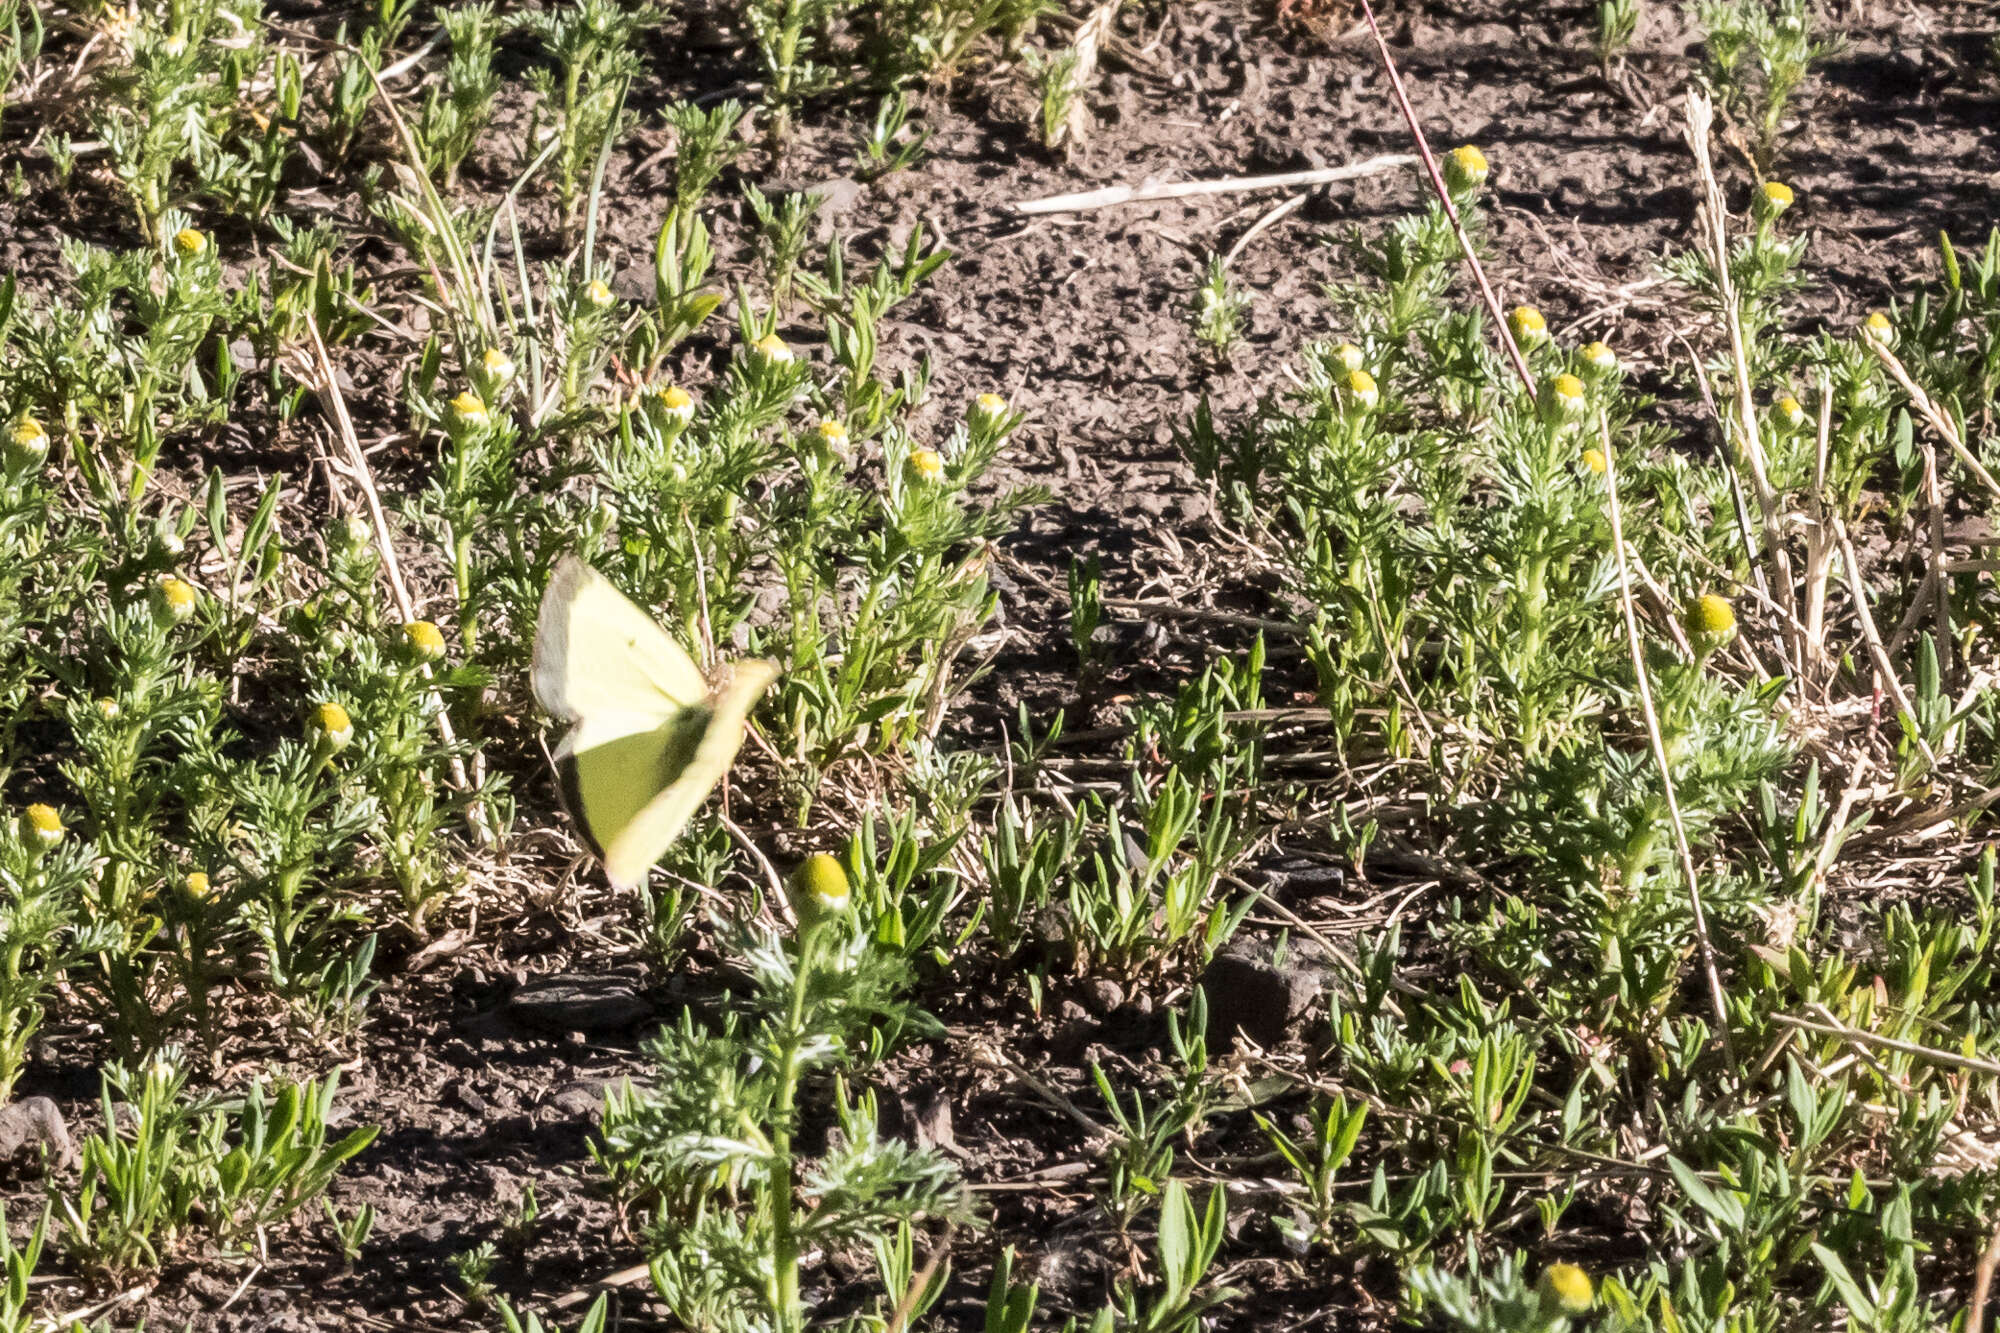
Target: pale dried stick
1982, 1284
1112, 195
1737, 507
364, 477
1876, 652
1711, 216
1703, 944
1930, 412
1829, 1025
1820, 543
1506, 335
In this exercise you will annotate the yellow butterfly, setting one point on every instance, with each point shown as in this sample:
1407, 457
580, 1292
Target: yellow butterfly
650, 737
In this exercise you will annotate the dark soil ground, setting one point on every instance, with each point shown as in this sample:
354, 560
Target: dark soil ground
1080, 319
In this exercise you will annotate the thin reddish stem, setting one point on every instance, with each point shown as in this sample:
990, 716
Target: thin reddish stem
1450, 209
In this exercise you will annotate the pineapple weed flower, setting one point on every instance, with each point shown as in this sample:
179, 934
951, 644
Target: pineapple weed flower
331, 728
41, 828
1465, 169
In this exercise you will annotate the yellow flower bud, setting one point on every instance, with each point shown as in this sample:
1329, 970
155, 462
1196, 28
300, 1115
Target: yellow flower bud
357, 531
1712, 615
41, 827
598, 294
1564, 399
196, 884
1598, 360
1790, 415
1360, 391
1527, 325
469, 409
1348, 358
1594, 460
172, 598
27, 444
926, 465
190, 242
498, 366
423, 640
1773, 199
1465, 169
331, 726
1565, 1289
818, 888
675, 404
832, 434
771, 350
1878, 330
109, 709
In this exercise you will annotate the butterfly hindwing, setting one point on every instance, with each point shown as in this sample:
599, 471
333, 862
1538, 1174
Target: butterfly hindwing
632, 852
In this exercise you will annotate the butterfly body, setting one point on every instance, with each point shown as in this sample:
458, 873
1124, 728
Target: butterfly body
650, 736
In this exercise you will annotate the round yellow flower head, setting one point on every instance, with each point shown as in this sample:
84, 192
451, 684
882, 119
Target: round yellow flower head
1564, 398
771, 350
1348, 357
196, 884
1595, 461
469, 409
109, 709
1878, 330
1360, 390
175, 47
598, 294
172, 598
1565, 1289
41, 827
1527, 325
27, 443
331, 726
1465, 169
1712, 615
1790, 415
1774, 198
1599, 360
988, 411
676, 404
832, 434
499, 367
423, 640
926, 465
818, 888
190, 242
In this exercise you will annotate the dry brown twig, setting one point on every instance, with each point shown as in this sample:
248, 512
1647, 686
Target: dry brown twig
1500, 328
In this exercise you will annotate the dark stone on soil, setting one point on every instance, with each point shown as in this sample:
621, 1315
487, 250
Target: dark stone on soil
1102, 995
34, 1122
1293, 878
1250, 993
576, 1003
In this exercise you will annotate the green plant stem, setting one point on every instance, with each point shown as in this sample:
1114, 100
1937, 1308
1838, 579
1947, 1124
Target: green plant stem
784, 1239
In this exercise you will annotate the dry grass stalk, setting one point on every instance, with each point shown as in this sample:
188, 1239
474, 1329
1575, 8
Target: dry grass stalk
1699, 917
1711, 220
